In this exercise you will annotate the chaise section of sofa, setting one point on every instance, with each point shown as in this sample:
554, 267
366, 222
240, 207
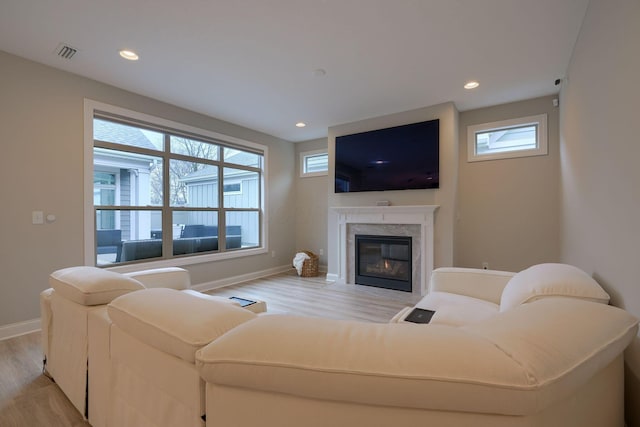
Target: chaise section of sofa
552, 362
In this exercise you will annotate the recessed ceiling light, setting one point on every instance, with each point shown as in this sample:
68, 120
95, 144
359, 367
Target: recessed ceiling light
129, 54
471, 84
301, 124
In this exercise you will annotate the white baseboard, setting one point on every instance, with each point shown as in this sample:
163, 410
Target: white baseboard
20, 328
331, 277
215, 284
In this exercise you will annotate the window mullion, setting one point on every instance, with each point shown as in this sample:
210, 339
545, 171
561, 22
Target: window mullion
167, 213
222, 212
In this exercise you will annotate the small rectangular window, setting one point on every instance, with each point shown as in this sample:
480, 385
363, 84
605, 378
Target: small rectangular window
235, 188
522, 137
314, 163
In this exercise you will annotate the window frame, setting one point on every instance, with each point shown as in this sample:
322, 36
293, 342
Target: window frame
303, 163
93, 109
542, 146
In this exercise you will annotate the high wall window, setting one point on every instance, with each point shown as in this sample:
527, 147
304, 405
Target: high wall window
314, 163
522, 137
159, 193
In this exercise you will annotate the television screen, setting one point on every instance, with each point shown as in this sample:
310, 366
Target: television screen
397, 158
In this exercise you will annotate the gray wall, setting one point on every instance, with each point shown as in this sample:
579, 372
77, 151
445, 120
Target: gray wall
311, 206
600, 176
41, 168
494, 198
508, 209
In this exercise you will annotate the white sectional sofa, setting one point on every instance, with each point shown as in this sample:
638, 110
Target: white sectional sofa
536, 348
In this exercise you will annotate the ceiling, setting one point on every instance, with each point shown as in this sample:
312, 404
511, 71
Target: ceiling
256, 62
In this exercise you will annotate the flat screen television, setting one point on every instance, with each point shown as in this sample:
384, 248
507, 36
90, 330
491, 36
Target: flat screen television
403, 157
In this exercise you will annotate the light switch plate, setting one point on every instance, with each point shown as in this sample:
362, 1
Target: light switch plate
37, 217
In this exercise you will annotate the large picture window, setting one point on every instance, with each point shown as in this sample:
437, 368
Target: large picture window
161, 193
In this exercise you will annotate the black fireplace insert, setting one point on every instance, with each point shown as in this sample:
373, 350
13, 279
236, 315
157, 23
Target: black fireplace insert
383, 261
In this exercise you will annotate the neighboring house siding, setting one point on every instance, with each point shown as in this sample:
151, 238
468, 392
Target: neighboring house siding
247, 197
125, 200
250, 230
204, 193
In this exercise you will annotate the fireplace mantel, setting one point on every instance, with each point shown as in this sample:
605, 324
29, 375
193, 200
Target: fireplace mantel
410, 215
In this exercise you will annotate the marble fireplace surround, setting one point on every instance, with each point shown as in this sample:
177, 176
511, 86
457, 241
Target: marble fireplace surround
414, 221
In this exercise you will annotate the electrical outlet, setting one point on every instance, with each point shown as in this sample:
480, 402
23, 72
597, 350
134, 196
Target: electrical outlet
273, 254
485, 265
321, 251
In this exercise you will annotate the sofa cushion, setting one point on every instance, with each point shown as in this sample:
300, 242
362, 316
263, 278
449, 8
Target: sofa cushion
199, 294
167, 277
551, 280
457, 310
91, 285
174, 321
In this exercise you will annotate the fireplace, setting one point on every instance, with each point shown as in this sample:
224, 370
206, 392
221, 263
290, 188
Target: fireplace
413, 221
383, 261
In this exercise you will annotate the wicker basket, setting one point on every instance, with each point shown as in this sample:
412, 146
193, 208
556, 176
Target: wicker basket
310, 266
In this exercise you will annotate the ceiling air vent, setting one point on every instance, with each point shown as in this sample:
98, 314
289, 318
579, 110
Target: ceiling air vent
65, 51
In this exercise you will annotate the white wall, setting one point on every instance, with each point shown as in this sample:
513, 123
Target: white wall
41, 168
508, 209
600, 176
445, 196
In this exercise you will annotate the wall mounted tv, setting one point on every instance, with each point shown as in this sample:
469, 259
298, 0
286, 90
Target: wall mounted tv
398, 158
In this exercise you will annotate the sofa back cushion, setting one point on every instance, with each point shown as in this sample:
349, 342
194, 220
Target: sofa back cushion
551, 280
472, 282
91, 285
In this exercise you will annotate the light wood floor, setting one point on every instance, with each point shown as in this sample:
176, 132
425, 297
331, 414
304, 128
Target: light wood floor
313, 296
29, 399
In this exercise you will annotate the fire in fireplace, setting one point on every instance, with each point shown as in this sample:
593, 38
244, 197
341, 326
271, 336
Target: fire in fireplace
383, 261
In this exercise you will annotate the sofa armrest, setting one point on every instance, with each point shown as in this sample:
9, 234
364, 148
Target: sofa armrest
474, 282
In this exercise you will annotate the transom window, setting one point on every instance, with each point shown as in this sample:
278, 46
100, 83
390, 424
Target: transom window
522, 137
233, 188
314, 163
160, 194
